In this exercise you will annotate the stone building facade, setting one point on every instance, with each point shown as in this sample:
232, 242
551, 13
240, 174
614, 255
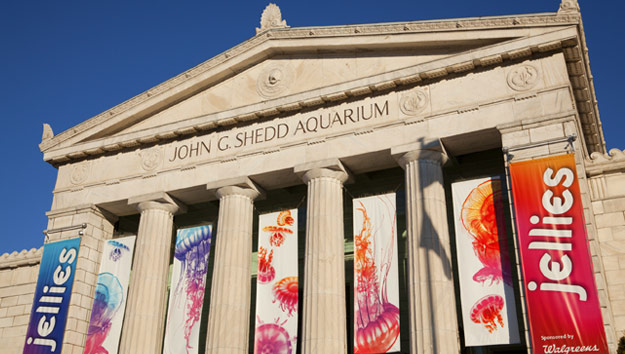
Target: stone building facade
322, 114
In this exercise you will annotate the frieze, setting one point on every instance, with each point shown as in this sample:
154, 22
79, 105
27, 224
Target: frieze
301, 126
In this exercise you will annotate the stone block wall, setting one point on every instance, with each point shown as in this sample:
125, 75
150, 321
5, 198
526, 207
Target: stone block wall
542, 137
18, 279
95, 227
607, 185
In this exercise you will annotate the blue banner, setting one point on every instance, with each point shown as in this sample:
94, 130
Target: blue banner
54, 289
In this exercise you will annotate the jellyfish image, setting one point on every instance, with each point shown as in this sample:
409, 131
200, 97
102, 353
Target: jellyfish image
487, 310
285, 218
117, 251
376, 319
266, 271
482, 215
108, 299
272, 338
277, 234
285, 292
192, 249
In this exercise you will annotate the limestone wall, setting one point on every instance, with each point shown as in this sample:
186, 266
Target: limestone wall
18, 278
607, 185
540, 137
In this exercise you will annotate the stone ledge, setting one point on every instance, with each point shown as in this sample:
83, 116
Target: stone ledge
24, 257
598, 163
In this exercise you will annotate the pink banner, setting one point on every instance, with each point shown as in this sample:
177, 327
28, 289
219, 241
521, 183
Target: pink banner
277, 284
561, 295
486, 293
376, 278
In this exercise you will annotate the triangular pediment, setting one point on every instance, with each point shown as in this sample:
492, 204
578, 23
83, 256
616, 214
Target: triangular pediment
287, 69
286, 75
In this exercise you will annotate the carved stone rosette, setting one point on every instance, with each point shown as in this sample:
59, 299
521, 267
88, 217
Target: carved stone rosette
151, 158
523, 77
274, 80
80, 173
413, 102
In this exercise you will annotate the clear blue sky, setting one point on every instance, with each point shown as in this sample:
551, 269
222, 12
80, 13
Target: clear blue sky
62, 62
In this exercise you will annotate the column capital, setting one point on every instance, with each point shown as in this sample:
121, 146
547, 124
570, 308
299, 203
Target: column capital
158, 200
330, 168
430, 150
236, 186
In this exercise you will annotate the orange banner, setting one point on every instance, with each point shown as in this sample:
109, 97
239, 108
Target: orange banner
561, 296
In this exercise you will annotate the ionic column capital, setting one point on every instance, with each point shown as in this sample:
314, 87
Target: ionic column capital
331, 168
157, 201
431, 150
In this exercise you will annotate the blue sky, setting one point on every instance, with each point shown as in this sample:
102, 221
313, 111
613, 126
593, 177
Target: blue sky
66, 61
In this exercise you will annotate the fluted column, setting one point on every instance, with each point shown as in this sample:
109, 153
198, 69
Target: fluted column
145, 313
324, 318
433, 318
228, 320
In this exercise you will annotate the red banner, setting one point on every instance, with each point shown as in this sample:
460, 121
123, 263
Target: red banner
561, 296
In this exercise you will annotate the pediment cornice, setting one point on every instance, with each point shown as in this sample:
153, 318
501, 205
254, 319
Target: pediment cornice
69, 145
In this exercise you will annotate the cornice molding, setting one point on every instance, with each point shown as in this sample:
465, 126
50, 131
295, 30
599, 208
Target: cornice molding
598, 163
24, 257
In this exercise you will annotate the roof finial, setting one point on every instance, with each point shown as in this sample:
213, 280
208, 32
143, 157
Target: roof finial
568, 7
271, 18
47, 132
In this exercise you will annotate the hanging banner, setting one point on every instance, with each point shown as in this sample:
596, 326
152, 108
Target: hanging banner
186, 295
109, 303
560, 291
486, 292
48, 316
277, 284
376, 278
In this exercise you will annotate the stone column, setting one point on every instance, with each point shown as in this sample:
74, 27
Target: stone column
433, 317
324, 318
145, 314
229, 314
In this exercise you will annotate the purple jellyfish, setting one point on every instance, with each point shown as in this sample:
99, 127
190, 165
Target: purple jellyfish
192, 249
109, 297
118, 250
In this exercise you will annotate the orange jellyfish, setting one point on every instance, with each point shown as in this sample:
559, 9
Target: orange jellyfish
285, 292
480, 214
266, 272
277, 234
487, 310
285, 218
376, 319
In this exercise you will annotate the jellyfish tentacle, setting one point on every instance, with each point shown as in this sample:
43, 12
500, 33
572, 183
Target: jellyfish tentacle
377, 320
192, 248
